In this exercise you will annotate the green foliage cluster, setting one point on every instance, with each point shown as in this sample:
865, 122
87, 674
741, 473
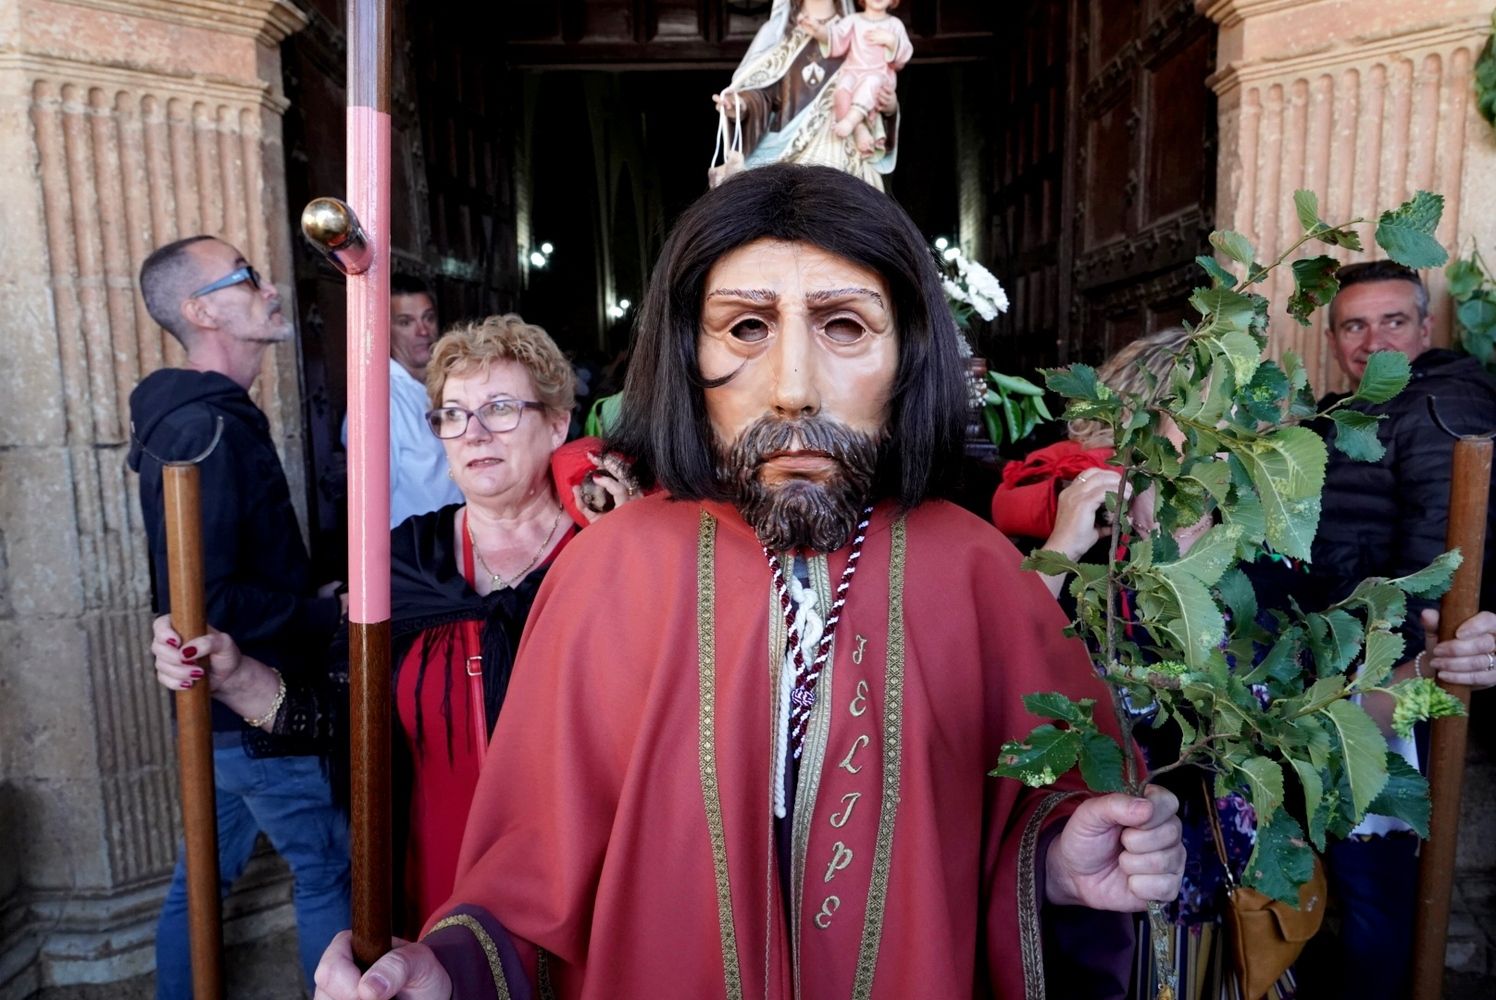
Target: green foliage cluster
1014, 405
603, 415
1263, 697
1473, 288
1485, 77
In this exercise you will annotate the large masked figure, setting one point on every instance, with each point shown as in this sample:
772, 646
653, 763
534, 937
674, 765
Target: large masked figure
746, 743
783, 96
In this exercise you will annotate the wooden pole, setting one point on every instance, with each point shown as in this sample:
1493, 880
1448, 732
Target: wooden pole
1469, 492
184, 558
369, 476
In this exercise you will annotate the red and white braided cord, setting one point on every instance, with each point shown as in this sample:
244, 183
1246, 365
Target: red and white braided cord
803, 698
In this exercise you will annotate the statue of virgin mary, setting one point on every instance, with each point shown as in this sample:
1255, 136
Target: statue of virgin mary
781, 96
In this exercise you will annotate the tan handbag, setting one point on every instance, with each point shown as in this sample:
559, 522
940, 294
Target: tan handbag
1266, 935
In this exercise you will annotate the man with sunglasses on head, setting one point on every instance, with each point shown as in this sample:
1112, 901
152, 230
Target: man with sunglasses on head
257, 579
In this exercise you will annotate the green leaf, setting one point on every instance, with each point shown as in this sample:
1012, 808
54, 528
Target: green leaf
1281, 861
1434, 579
1181, 606
604, 415
1405, 796
1334, 638
1420, 699
1241, 349
1049, 562
1233, 245
1478, 314
1281, 663
1247, 514
1219, 276
1053, 705
1407, 232
1227, 310
1075, 382
1264, 780
1313, 784
994, 426
1356, 435
1287, 467
1383, 650
1385, 375
1236, 591
1041, 759
1264, 396
1363, 750
1464, 277
1101, 762
1014, 384
1209, 557
1306, 203
1314, 285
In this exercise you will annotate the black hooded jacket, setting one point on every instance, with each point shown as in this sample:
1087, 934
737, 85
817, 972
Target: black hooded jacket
1388, 518
257, 576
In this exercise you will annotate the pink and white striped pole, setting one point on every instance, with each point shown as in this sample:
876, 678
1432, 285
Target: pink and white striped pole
361, 250
369, 476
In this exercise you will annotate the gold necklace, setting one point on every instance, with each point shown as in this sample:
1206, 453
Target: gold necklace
495, 581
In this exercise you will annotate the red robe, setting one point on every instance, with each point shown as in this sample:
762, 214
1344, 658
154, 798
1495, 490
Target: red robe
623, 822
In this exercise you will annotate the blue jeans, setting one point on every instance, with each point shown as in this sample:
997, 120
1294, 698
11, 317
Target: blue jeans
289, 799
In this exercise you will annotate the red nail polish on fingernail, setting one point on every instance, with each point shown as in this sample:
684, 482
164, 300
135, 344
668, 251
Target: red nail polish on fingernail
196, 674
173, 643
186, 685
190, 652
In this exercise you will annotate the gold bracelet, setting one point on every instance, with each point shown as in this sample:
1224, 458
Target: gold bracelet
275, 706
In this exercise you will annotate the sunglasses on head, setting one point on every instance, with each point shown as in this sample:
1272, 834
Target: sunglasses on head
239, 277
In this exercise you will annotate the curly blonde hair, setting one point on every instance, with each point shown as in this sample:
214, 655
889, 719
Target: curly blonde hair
1155, 354
470, 348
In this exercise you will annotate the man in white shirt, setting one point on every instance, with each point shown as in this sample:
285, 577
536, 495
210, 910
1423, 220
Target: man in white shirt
418, 466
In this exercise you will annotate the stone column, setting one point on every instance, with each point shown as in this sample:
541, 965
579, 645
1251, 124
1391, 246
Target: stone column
124, 124
1363, 102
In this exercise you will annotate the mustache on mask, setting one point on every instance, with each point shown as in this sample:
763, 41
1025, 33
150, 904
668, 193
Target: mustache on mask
797, 513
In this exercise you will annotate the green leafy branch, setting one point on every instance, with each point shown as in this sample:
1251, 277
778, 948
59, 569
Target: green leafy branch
1261, 696
1485, 77
1473, 288
1013, 404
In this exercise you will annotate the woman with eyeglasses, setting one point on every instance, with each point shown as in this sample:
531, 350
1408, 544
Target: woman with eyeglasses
462, 580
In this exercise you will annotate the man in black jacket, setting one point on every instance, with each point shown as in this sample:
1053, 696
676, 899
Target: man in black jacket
257, 577
1388, 518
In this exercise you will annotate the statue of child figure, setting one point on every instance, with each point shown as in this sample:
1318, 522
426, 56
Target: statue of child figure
876, 47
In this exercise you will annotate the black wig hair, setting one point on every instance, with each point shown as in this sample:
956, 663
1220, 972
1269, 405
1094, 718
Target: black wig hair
664, 425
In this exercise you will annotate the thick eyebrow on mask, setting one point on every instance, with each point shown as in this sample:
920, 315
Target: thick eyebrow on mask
831, 294
751, 294
765, 295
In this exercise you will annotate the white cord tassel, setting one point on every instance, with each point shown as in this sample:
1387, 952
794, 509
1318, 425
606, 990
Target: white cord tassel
810, 628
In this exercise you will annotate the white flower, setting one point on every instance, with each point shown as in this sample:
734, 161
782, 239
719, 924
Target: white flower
973, 285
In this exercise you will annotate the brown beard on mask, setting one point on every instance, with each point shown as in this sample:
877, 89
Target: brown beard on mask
800, 513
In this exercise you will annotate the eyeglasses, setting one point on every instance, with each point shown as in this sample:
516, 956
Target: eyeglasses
497, 416
239, 277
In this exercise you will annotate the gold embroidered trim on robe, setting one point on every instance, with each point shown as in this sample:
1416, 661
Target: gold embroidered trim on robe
490, 950
706, 642
893, 752
1030, 932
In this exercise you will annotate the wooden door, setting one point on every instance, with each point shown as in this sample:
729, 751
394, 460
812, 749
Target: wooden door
1104, 181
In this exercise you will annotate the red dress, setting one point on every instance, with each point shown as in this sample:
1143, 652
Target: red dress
444, 747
